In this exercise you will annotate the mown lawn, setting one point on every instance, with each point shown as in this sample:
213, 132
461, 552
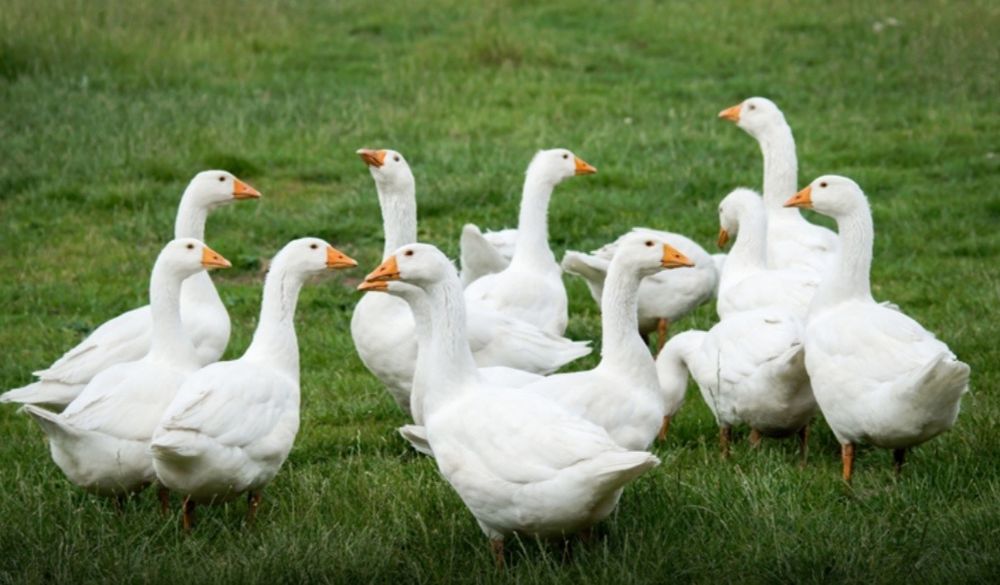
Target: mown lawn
107, 109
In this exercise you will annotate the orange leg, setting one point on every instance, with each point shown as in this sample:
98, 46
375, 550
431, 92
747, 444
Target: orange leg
662, 326
804, 444
725, 438
164, 495
664, 428
847, 457
898, 459
496, 547
755, 438
188, 514
253, 502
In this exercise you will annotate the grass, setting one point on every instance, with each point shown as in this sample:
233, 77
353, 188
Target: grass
109, 108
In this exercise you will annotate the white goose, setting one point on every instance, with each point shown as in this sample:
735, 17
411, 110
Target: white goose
101, 440
878, 375
382, 325
664, 297
622, 394
747, 283
232, 424
792, 242
127, 337
750, 370
520, 462
531, 287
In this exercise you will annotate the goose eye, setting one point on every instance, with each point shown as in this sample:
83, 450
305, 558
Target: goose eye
221, 179
753, 107
314, 246
190, 246
649, 243
408, 253
566, 156
823, 184
396, 158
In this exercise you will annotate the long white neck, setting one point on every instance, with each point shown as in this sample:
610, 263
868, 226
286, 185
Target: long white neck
399, 214
423, 327
621, 344
190, 223
850, 277
749, 253
451, 362
672, 365
533, 223
169, 342
781, 170
274, 341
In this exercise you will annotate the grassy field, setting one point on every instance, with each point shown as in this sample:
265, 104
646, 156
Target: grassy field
107, 109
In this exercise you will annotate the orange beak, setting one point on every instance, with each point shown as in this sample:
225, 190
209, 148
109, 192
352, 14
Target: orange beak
723, 237
212, 259
337, 259
386, 271
243, 191
582, 168
801, 199
672, 258
372, 158
732, 114
374, 286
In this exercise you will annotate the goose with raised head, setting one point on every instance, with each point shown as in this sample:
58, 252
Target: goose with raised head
127, 337
749, 368
531, 287
233, 423
664, 297
792, 242
101, 440
622, 394
383, 325
879, 377
747, 283
520, 462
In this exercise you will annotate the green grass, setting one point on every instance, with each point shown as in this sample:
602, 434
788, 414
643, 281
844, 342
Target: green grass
109, 108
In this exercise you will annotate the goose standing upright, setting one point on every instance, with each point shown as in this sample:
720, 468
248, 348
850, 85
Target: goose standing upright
879, 377
747, 283
622, 394
127, 337
233, 423
383, 326
531, 287
792, 242
518, 461
101, 440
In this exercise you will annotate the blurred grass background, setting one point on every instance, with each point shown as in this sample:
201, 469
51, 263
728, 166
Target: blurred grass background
108, 109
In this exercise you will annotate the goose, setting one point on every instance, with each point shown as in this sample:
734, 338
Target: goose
484, 253
232, 423
383, 326
792, 242
664, 297
531, 287
416, 298
127, 337
622, 394
521, 463
747, 282
100, 442
750, 370
879, 377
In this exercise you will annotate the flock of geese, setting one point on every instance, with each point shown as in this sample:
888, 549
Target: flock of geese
471, 357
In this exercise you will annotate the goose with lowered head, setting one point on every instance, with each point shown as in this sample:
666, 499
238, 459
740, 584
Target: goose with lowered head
531, 287
879, 377
383, 325
521, 463
747, 283
233, 423
127, 337
101, 440
622, 394
792, 242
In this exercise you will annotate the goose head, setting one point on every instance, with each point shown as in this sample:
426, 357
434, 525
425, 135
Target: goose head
754, 115
648, 254
309, 256
187, 256
389, 169
556, 165
830, 195
422, 265
211, 189
731, 208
